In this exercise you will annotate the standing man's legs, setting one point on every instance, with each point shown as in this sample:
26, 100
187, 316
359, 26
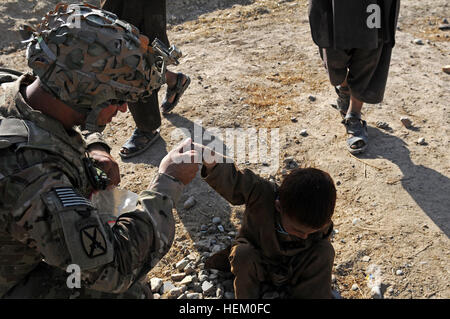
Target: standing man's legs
150, 18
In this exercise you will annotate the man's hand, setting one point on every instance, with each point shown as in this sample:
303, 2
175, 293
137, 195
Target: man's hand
105, 162
181, 164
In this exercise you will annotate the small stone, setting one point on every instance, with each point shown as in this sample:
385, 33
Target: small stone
355, 221
333, 279
175, 292
219, 293
444, 27
190, 268
166, 287
382, 125
366, 259
304, 132
178, 276
375, 292
229, 295
220, 228
294, 119
446, 69
193, 295
406, 121
418, 41
216, 220
355, 287
155, 284
207, 287
390, 290
187, 280
312, 98
421, 141
399, 272
271, 295
189, 203
216, 248
156, 296
181, 264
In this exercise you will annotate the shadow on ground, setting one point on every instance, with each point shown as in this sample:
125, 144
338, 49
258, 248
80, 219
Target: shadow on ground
427, 187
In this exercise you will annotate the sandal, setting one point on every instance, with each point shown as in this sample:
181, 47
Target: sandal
138, 143
343, 100
358, 128
178, 90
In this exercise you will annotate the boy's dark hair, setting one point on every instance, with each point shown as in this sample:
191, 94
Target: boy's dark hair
308, 195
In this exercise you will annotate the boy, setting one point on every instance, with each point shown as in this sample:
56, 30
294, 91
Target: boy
284, 237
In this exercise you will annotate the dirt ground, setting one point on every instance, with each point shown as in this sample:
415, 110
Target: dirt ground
253, 65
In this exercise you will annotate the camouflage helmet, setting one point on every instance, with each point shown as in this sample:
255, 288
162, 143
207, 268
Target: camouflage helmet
89, 59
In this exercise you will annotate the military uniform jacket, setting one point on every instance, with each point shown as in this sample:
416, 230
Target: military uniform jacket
261, 223
46, 215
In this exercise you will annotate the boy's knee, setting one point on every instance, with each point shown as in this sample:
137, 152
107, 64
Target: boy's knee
243, 255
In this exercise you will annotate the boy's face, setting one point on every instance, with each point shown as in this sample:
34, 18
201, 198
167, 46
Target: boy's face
292, 227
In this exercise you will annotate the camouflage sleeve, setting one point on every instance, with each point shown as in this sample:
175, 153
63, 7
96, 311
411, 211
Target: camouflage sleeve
66, 229
236, 186
91, 138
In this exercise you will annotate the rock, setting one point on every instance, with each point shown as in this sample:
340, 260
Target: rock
175, 292
220, 228
304, 132
187, 280
375, 292
182, 296
219, 293
178, 276
189, 203
202, 245
190, 268
216, 220
366, 259
193, 295
229, 295
446, 69
333, 279
355, 221
355, 287
155, 284
445, 21
207, 288
166, 287
156, 296
418, 41
399, 272
444, 27
181, 264
312, 98
382, 125
271, 295
216, 248
213, 276
202, 278
294, 119
421, 141
406, 121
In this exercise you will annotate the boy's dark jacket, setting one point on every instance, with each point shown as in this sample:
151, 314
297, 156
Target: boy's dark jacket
342, 24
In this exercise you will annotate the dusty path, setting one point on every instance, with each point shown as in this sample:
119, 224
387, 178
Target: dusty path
254, 65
